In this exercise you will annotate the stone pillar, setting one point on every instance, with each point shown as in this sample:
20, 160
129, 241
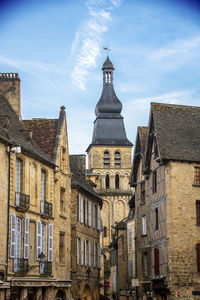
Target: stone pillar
38, 293
23, 293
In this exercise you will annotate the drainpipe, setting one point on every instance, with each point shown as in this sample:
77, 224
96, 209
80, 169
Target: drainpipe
8, 212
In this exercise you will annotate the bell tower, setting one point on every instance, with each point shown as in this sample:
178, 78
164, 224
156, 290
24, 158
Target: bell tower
109, 155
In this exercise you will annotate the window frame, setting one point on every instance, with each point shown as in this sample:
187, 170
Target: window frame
117, 159
196, 175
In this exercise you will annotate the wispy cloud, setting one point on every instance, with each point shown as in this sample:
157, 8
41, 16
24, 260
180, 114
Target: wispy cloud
90, 38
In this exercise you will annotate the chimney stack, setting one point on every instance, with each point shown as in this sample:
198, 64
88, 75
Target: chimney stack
10, 89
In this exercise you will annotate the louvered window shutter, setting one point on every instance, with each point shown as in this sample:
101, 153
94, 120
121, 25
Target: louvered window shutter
82, 246
18, 181
89, 248
156, 262
81, 210
12, 236
77, 250
94, 217
99, 256
26, 237
89, 213
198, 257
85, 253
95, 254
39, 237
50, 242
99, 218
86, 209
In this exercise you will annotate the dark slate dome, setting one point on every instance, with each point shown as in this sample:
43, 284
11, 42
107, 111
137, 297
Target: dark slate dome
107, 64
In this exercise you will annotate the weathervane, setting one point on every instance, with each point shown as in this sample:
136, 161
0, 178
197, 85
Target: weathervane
107, 49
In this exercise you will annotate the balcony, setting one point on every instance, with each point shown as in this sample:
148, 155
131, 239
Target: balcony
22, 201
46, 208
21, 266
46, 268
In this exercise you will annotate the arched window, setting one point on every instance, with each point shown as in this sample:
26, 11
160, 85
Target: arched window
106, 159
107, 181
117, 181
117, 159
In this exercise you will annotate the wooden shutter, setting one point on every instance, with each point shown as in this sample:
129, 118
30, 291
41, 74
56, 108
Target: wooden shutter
50, 242
39, 237
98, 218
94, 217
95, 254
26, 237
89, 213
85, 253
12, 236
89, 249
198, 257
156, 261
82, 252
81, 210
86, 210
77, 250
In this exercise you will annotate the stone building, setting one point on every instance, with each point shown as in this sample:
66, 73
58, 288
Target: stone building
30, 265
109, 156
85, 228
167, 181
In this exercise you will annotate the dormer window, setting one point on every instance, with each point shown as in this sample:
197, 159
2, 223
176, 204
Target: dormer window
117, 159
106, 159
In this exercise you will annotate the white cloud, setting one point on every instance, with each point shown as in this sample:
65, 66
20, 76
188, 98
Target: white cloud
90, 39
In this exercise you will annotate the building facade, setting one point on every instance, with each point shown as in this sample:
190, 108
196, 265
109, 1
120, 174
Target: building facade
30, 265
109, 156
166, 180
85, 228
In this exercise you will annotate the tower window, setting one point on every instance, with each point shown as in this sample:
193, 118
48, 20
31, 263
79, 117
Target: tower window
106, 159
117, 181
107, 181
117, 159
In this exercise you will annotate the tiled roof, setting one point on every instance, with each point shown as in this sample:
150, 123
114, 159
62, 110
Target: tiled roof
44, 133
78, 175
14, 131
177, 129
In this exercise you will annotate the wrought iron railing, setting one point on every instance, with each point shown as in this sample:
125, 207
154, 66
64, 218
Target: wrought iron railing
46, 268
20, 265
46, 208
22, 200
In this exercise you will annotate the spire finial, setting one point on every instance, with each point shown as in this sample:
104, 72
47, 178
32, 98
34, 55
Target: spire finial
107, 49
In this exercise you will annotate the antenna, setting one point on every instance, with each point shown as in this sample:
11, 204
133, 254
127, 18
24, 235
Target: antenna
106, 49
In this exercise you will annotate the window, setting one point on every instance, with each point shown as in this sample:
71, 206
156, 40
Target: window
98, 218
105, 231
62, 200
144, 229
81, 209
18, 232
77, 250
117, 181
89, 250
196, 175
50, 242
198, 211
130, 238
94, 216
41, 229
43, 190
26, 237
106, 159
89, 213
99, 256
94, 256
61, 246
145, 264
107, 182
154, 181
142, 192
198, 257
156, 262
86, 211
82, 252
86, 252
117, 159
156, 218
18, 180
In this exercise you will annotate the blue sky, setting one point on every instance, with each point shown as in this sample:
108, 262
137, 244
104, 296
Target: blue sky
57, 49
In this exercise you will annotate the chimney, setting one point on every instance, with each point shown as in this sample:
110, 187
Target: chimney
10, 89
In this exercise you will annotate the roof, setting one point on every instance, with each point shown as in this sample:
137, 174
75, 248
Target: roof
14, 132
139, 152
77, 166
44, 131
177, 130
107, 64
